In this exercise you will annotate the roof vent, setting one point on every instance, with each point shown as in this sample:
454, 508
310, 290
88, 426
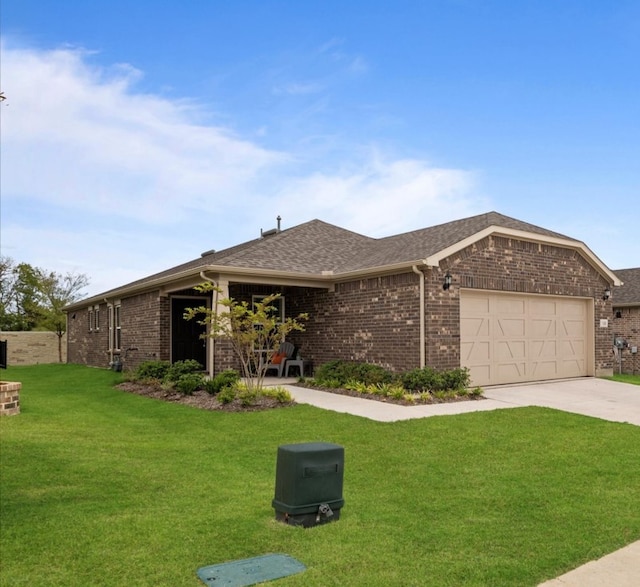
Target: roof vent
271, 231
209, 252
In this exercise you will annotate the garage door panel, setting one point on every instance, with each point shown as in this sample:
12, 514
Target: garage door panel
510, 327
544, 370
507, 338
543, 349
543, 307
510, 306
545, 327
512, 349
512, 371
475, 327
476, 351
573, 327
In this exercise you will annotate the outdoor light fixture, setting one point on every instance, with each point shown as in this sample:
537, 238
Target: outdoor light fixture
607, 294
447, 281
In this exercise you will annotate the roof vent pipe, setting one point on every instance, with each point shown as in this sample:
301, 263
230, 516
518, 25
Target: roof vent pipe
271, 231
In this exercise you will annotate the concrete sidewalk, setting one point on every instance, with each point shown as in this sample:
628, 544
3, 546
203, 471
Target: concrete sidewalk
598, 398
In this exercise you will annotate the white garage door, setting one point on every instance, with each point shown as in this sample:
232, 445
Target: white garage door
510, 338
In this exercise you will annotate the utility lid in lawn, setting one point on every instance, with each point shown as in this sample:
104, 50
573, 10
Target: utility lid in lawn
249, 571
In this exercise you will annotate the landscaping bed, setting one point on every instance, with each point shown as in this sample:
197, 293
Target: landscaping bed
202, 399
418, 399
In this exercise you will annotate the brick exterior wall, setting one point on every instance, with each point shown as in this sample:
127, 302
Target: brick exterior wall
628, 327
84, 346
377, 319
509, 265
145, 327
374, 320
33, 348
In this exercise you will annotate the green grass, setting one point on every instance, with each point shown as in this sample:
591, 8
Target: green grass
103, 488
635, 379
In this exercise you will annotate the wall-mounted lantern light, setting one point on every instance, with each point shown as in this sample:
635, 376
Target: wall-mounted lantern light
447, 281
607, 294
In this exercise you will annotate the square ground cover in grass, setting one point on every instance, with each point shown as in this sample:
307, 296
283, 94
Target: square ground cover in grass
250, 571
98, 485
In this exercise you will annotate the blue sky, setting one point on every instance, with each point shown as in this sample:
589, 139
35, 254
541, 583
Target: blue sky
136, 135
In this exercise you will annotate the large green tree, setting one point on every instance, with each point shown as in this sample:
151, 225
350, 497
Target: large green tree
34, 298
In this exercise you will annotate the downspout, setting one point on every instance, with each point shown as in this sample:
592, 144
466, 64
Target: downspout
214, 302
422, 317
109, 334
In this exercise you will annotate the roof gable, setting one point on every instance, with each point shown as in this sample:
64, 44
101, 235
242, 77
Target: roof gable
629, 293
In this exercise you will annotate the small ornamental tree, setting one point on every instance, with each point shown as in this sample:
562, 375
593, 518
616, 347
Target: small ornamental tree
255, 331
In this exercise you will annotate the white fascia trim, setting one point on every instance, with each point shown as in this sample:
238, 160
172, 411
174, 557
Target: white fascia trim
190, 277
588, 254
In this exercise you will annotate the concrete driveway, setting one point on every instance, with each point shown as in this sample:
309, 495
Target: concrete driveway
609, 400
600, 398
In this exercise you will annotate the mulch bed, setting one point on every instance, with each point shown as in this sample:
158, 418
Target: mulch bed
419, 401
205, 401
201, 399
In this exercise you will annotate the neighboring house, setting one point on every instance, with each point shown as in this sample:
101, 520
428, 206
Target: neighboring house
524, 303
626, 320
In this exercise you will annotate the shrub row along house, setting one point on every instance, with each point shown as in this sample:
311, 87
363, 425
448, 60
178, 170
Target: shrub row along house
509, 300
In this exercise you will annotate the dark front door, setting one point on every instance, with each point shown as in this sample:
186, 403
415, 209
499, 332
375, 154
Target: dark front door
186, 342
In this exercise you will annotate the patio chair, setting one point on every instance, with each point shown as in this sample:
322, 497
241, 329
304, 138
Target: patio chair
285, 351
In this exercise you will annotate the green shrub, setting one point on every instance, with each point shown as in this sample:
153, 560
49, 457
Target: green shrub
180, 368
221, 380
456, 378
419, 379
152, 370
248, 397
428, 379
278, 393
226, 395
344, 371
189, 382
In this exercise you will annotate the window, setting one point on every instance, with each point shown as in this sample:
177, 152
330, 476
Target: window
90, 319
96, 318
117, 328
110, 325
115, 331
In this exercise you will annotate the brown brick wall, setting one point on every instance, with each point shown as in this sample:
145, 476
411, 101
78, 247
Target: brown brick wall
84, 346
33, 348
373, 320
143, 318
627, 325
377, 319
510, 265
145, 327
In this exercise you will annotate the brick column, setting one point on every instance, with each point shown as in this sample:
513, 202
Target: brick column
9, 398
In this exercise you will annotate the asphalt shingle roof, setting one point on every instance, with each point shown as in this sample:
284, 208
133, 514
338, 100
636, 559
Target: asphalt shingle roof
316, 246
629, 292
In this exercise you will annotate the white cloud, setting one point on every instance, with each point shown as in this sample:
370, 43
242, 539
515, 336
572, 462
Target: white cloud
384, 197
100, 178
81, 137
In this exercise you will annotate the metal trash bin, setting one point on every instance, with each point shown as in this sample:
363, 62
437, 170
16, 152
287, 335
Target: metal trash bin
309, 479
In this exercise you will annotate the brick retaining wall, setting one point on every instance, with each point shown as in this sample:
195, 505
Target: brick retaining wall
9, 398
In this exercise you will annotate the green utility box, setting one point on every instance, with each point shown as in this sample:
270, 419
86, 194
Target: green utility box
309, 480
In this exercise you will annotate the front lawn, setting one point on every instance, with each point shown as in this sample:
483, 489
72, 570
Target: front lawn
99, 487
635, 379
